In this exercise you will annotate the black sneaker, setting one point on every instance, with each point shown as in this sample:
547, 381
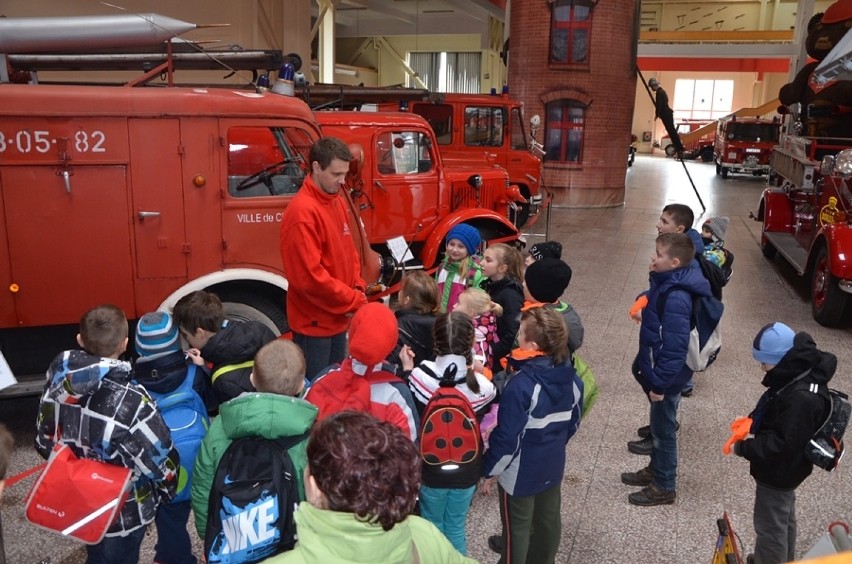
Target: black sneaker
495, 543
652, 495
643, 477
687, 393
642, 446
645, 430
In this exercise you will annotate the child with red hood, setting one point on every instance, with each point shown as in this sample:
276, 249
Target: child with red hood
364, 381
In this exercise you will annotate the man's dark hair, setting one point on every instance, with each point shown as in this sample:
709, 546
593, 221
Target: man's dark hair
7, 447
327, 149
103, 329
677, 246
199, 310
681, 214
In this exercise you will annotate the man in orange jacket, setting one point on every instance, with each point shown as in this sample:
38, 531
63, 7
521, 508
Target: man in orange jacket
320, 259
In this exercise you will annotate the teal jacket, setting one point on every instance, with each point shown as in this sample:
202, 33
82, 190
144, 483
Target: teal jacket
333, 536
250, 415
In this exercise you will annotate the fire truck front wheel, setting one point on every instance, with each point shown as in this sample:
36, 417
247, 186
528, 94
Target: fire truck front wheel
767, 248
828, 301
725, 171
244, 306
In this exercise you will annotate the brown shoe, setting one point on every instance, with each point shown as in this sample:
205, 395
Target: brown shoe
652, 495
643, 477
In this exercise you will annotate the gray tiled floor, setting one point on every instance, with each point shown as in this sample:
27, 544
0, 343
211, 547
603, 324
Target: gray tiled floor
609, 251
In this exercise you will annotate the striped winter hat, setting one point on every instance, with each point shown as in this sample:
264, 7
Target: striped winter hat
156, 333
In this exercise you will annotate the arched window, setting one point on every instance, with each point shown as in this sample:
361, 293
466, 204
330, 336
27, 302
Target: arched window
570, 31
564, 135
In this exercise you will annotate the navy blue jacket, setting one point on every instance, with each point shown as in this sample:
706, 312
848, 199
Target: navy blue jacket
663, 343
539, 411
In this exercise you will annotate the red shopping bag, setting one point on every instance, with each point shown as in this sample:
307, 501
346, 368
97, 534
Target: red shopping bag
77, 497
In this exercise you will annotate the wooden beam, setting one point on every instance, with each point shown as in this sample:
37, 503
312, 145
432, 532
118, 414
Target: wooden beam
715, 36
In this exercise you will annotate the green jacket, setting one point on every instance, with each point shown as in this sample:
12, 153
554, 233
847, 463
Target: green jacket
332, 536
270, 416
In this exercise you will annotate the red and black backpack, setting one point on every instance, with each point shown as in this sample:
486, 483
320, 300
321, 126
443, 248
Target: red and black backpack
450, 440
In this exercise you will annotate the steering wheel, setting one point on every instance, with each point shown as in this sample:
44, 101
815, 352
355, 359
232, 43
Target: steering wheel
264, 175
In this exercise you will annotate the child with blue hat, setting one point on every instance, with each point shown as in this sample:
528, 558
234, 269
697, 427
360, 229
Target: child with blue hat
460, 268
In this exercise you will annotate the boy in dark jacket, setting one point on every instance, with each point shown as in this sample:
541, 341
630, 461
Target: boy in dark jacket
90, 404
539, 411
228, 346
660, 366
785, 418
545, 281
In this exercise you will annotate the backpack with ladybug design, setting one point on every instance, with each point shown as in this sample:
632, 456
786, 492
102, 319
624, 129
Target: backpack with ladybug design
450, 440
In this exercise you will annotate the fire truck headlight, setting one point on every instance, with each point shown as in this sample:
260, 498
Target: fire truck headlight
843, 163
475, 181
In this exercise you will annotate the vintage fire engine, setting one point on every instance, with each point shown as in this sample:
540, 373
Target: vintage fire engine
743, 145
806, 207
473, 128
806, 211
136, 196
399, 170
470, 129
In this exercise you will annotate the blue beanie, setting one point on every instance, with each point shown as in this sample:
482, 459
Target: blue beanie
772, 342
156, 333
468, 235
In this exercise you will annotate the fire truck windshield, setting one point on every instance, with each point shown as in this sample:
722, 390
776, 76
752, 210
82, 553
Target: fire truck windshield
752, 131
264, 161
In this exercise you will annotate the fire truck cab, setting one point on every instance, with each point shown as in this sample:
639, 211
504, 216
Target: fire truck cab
473, 128
806, 211
402, 185
743, 145
138, 196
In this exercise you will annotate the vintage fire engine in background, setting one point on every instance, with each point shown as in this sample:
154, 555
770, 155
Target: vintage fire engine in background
136, 196
744, 145
403, 187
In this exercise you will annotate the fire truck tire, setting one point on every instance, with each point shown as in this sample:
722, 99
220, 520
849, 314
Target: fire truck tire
828, 301
706, 154
725, 172
718, 169
243, 306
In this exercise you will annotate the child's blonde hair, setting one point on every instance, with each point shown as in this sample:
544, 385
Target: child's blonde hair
480, 302
511, 257
546, 328
422, 290
279, 368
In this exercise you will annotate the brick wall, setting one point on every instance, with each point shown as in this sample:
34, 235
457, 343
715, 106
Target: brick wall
607, 86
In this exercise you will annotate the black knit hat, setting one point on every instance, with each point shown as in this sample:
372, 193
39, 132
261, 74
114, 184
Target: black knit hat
547, 279
551, 249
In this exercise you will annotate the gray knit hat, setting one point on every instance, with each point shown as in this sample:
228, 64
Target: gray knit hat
717, 226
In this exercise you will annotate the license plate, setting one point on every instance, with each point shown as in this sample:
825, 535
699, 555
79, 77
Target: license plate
752, 150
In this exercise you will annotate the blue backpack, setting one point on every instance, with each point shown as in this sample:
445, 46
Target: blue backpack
184, 412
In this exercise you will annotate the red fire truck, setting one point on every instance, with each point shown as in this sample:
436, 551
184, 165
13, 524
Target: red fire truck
137, 196
744, 145
404, 187
806, 211
473, 128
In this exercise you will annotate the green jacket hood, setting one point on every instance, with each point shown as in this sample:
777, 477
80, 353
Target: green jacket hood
256, 414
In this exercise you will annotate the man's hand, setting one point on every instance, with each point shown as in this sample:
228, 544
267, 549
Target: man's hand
656, 397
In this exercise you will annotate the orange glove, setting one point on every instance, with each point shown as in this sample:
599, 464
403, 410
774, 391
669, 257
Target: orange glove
740, 429
638, 306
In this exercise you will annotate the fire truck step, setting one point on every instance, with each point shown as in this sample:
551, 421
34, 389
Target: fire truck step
791, 249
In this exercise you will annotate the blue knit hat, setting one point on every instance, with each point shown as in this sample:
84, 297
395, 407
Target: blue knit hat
468, 235
156, 333
772, 342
